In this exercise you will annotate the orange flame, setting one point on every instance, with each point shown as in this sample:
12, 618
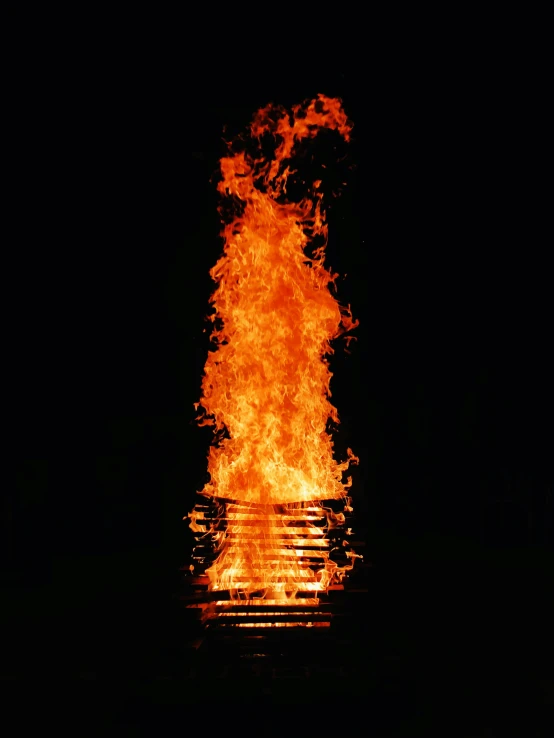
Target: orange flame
266, 387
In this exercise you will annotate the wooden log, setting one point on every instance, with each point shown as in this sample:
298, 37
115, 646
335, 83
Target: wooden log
254, 618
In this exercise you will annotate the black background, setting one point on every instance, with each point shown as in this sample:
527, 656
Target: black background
446, 396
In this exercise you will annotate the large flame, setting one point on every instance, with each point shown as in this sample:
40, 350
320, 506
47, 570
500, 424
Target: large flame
266, 386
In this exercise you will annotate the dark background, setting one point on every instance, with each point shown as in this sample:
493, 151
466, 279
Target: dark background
446, 396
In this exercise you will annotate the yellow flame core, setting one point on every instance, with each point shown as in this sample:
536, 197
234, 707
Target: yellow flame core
267, 384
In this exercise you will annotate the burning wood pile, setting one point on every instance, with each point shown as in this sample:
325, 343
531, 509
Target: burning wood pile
311, 541
273, 527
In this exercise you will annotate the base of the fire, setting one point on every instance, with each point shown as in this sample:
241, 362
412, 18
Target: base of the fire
269, 566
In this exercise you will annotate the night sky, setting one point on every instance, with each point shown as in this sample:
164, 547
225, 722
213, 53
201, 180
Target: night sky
446, 396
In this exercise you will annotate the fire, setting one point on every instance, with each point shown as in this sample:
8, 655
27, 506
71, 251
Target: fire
266, 386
